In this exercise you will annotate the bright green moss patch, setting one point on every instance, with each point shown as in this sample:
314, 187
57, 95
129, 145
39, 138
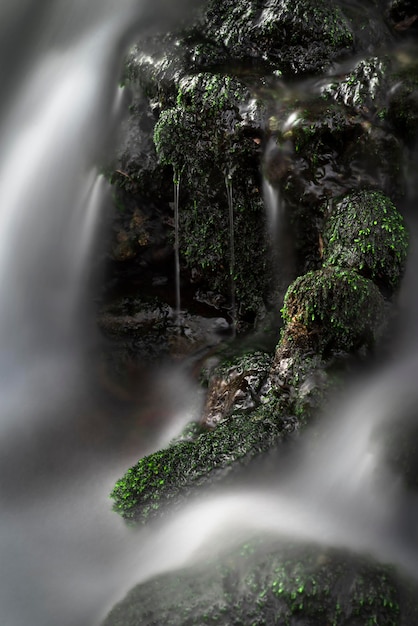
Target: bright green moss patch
170, 476
333, 309
366, 232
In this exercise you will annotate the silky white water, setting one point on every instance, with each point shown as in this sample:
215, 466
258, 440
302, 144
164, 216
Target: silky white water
65, 558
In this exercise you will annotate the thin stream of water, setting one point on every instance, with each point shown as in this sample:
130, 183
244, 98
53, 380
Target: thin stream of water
230, 195
176, 183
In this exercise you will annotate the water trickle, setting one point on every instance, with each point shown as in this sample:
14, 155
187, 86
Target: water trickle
176, 183
274, 209
229, 192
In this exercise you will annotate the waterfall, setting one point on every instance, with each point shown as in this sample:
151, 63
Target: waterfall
62, 551
272, 202
50, 192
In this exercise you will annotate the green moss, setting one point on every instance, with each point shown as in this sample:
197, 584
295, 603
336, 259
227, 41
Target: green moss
333, 309
170, 476
204, 129
204, 138
301, 37
364, 88
366, 232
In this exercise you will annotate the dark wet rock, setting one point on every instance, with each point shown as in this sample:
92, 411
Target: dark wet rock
331, 144
264, 582
323, 149
208, 138
332, 309
296, 386
198, 130
141, 191
155, 66
402, 110
211, 113
403, 14
211, 92
209, 124
153, 332
304, 37
235, 387
363, 89
366, 232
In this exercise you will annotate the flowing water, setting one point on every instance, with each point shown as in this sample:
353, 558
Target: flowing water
59, 542
176, 183
64, 557
230, 195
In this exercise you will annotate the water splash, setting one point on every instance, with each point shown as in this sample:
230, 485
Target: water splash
230, 196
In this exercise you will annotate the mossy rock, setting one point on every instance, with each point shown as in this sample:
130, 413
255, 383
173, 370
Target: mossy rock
302, 37
324, 149
364, 88
208, 139
332, 309
204, 129
366, 232
171, 476
262, 583
154, 66
235, 385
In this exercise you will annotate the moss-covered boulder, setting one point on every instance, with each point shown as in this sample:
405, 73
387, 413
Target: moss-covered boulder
363, 88
367, 233
265, 583
166, 479
300, 37
213, 108
332, 309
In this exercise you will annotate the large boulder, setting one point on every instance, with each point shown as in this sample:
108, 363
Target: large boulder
265, 583
366, 232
